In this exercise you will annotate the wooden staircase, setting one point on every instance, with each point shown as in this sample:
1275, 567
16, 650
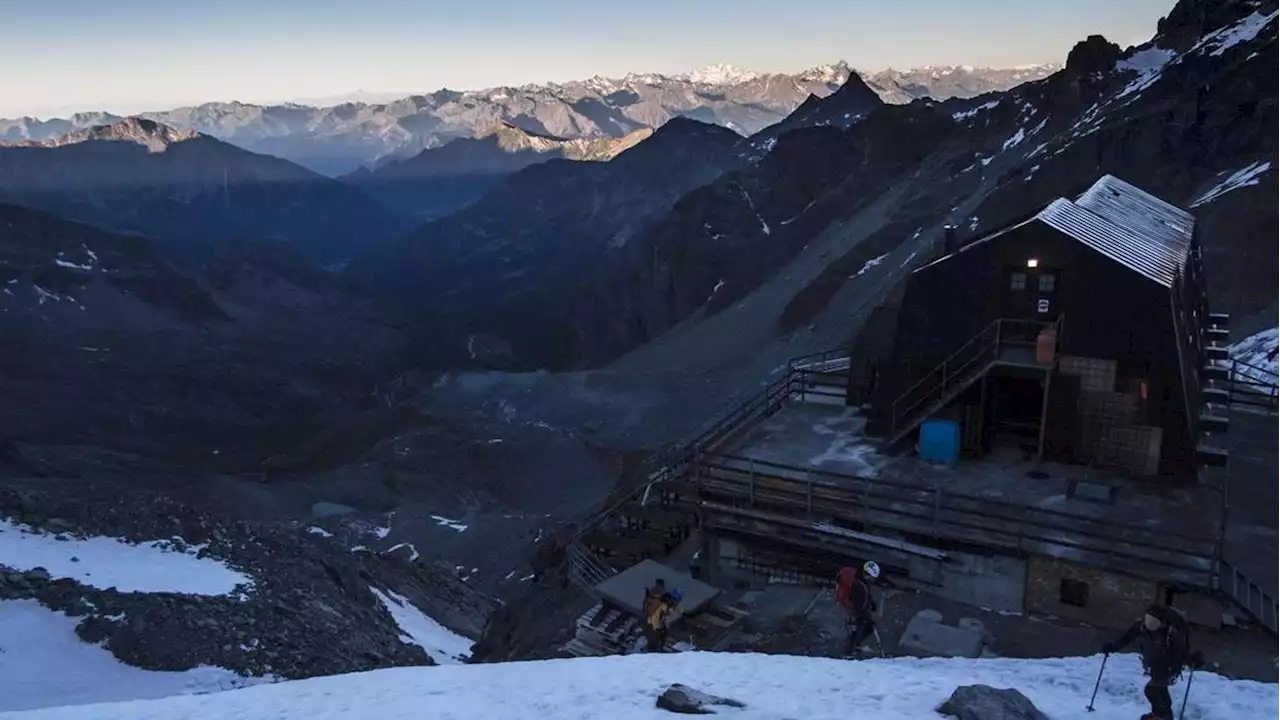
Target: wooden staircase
1003, 342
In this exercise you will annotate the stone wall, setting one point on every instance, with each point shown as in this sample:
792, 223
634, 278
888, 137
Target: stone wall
1111, 600
988, 581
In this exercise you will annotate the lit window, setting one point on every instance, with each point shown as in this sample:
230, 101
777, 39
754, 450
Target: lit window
1046, 282
1018, 281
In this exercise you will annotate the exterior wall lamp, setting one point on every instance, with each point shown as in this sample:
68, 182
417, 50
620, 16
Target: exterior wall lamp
1033, 262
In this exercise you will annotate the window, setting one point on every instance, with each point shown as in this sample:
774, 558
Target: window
1073, 592
1046, 282
1018, 281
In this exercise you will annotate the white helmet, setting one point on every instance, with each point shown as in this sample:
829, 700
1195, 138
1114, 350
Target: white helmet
871, 569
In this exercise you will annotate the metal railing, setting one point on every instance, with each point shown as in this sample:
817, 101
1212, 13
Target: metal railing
1248, 595
960, 369
936, 513
675, 463
827, 361
1252, 385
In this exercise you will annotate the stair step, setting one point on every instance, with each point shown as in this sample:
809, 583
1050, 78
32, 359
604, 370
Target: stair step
1219, 318
1214, 371
1217, 333
1216, 395
1217, 352
1212, 456
1214, 423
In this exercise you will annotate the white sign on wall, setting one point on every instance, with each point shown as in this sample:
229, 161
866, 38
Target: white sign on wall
1042, 305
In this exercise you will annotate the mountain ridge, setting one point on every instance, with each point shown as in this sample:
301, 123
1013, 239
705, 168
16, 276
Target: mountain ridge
190, 191
338, 139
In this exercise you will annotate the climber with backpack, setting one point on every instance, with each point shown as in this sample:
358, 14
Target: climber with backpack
658, 617
853, 593
1164, 642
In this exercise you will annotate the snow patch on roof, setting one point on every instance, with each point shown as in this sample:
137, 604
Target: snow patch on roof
1243, 177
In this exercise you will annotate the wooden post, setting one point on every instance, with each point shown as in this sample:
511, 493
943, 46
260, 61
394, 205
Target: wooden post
1044, 416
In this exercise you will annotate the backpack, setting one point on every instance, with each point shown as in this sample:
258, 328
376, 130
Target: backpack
1177, 635
844, 587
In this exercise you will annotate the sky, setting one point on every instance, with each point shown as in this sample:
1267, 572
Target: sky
133, 55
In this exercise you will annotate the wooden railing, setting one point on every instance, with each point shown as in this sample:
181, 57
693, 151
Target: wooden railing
940, 514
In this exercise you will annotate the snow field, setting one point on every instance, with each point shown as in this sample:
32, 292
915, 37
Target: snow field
774, 687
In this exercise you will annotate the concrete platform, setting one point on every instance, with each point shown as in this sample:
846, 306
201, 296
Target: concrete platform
927, 636
831, 439
627, 588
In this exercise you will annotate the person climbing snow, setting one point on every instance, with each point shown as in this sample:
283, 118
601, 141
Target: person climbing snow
658, 612
853, 593
1164, 642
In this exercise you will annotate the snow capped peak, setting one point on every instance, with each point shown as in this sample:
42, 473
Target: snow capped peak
721, 74
833, 73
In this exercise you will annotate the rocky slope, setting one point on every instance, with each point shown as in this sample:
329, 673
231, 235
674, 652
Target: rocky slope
438, 181
486, 267
338, 139
308, 607
113, 348
189, 191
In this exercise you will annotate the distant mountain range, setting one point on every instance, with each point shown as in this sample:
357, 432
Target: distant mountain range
190, 192
338, 139
439, 180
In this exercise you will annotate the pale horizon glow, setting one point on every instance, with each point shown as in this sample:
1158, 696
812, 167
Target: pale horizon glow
136, 55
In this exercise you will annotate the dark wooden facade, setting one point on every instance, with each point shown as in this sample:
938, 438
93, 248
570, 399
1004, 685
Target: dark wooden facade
1108, 311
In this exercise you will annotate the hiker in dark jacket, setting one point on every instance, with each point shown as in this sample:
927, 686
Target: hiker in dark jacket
1165, 645
853, 593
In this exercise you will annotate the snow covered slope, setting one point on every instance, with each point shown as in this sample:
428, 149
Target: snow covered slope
625, 688
105, 562
43, 663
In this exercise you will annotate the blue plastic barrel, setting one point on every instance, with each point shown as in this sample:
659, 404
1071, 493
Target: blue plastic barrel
939, 441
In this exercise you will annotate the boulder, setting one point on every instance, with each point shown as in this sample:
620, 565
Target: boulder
982, 702
688, 701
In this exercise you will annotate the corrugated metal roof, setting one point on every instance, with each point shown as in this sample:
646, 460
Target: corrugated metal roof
1127, 246
1165, 229
1123, 222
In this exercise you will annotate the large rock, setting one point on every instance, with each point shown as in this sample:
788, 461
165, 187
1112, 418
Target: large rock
688, 701
982, 702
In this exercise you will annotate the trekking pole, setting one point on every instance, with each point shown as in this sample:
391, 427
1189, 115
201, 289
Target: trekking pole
879, 643
1099, 683
1186, 693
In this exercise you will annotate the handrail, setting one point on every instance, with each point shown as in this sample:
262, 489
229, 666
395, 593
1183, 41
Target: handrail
840, 480
1245, 596
1102, 537
1005, 334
